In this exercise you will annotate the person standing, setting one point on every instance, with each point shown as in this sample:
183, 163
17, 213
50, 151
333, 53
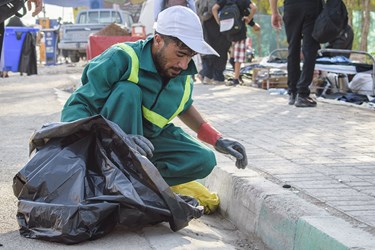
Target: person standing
247, 11
160, 5
212, 66
299, 18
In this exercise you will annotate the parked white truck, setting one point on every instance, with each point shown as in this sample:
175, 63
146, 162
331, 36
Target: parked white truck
74, 37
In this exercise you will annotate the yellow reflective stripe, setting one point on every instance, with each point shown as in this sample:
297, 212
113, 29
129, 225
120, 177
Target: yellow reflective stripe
135, 62
154, 118
159, 120
150, 115
184, 99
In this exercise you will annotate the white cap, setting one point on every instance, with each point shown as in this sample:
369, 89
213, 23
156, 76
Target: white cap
183, 23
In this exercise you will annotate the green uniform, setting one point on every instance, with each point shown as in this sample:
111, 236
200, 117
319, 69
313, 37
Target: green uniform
123, 85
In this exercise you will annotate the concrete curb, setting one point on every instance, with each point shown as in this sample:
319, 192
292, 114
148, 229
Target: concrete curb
279, 217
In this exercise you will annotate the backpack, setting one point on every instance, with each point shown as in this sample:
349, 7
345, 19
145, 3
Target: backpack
204, 9
230, 18
9, 8
331, 21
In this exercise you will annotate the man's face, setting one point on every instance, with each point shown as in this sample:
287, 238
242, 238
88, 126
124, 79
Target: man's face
169, 58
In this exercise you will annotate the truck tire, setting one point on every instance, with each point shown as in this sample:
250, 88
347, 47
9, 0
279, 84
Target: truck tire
65, 53
74, 57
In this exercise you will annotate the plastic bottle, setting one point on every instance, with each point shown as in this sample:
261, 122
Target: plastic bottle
277, 91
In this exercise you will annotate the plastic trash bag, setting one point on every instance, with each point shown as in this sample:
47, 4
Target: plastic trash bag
210, 201
85, 178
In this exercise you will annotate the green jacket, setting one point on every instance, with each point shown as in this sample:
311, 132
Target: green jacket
133, 63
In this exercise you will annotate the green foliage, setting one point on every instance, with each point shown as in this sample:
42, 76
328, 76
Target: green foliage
263, 6
267, 39
354, 5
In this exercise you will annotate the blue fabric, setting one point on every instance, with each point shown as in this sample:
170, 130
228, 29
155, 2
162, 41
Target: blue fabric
335, 59
68, 3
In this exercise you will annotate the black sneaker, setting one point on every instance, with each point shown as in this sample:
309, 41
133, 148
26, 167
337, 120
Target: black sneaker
292, 99
305, 102
234, 82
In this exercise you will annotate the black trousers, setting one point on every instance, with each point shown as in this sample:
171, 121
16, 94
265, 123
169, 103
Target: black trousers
299, 18
213, 66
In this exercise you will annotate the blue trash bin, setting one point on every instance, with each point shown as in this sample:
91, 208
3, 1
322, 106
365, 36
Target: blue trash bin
12, 46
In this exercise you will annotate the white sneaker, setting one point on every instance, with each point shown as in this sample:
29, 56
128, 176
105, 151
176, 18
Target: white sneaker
207, 80
218, 82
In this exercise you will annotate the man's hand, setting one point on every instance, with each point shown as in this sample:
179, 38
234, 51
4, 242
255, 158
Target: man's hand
142, 145
246, 19
276, 21
234, 148
256, 27
38, 6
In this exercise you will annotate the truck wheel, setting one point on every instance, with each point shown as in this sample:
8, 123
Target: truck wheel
74, 58
65, 53
83, 56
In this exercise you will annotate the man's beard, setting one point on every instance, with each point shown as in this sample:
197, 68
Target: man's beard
160, 62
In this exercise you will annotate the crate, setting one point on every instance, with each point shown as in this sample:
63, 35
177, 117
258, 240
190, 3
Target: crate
275, 82
98, 44
12, 47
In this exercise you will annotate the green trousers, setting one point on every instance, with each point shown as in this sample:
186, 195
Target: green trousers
179, 157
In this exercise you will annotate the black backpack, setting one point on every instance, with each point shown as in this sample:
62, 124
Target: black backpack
230, 18
9, 8
331, 21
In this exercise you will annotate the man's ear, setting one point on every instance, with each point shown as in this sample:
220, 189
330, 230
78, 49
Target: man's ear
159, 41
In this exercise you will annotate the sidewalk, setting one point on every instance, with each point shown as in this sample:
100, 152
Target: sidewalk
310, 183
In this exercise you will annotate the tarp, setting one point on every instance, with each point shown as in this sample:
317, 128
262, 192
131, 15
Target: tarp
85, 178
80, 3
68, 3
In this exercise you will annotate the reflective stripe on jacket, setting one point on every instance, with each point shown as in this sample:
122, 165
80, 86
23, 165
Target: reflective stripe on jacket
153, 117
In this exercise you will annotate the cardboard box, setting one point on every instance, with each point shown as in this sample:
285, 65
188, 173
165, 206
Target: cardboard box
275, 82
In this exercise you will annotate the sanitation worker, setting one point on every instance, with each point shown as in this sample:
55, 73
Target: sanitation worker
143, 86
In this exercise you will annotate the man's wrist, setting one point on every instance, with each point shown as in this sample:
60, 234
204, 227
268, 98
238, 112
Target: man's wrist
208, 134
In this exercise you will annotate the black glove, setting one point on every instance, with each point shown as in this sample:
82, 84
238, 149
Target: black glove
142, 145
234, 148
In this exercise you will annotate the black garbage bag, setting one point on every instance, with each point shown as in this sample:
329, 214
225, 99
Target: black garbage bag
85, 178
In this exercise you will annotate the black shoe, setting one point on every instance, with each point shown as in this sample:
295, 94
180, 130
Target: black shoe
305, 102
292, 99
234, 82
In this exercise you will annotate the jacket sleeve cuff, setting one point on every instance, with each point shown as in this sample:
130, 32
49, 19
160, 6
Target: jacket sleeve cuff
208, 134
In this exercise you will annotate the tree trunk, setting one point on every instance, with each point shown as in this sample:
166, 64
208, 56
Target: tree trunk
365, 24
259, 42
350, 6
